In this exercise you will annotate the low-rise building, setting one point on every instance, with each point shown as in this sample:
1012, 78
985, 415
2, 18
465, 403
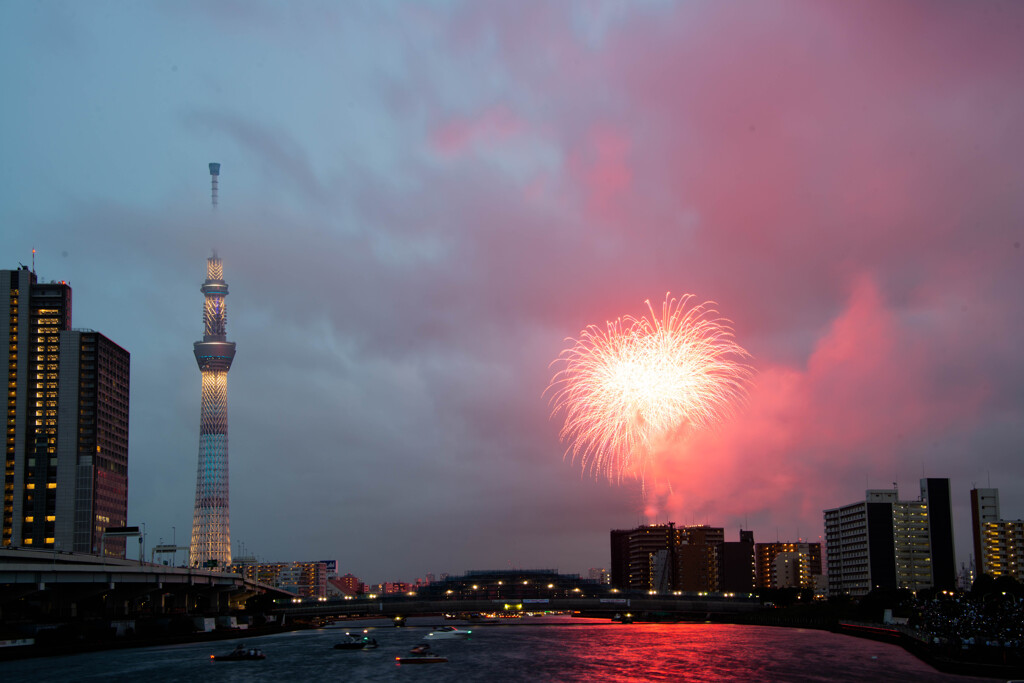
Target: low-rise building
788, 565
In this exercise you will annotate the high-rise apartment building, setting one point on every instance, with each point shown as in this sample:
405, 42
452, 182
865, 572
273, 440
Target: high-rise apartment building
912, 550
860, 545
998, 543
885, 543
984, 510
788, 565
66, 464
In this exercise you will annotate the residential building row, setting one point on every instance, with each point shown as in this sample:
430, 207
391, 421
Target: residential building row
319, 579
66, 439
664, 558
885, 543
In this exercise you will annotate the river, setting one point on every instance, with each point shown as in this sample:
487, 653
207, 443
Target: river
530, 649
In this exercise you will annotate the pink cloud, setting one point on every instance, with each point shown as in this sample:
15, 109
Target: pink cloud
494, 126
600, 168
809, 435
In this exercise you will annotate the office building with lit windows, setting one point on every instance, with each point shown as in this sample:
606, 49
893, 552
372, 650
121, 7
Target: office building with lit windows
66, 464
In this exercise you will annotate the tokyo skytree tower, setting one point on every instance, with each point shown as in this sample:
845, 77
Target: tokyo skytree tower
211, 534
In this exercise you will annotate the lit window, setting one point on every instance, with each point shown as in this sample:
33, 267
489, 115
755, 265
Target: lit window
30, 518
28, 541
52, 485
51, 518
50, 540
30, 486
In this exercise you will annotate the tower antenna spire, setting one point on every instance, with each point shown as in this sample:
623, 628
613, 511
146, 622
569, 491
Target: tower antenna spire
214, 175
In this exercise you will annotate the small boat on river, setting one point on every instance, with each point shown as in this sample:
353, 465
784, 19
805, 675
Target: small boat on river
240, 654
356, 642
421, 654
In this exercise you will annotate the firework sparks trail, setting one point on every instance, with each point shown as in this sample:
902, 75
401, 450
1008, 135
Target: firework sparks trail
627, 388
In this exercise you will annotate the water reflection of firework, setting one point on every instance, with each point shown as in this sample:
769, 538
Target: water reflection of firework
628, 388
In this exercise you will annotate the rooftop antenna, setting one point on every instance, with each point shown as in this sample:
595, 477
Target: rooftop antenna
33, 260
214, 174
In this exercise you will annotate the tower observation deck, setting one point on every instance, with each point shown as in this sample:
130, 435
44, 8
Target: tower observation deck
211, 534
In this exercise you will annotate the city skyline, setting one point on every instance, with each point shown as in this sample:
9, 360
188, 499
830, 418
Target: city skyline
421, 202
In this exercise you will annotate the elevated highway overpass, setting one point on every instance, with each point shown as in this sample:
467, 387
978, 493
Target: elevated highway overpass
62, 585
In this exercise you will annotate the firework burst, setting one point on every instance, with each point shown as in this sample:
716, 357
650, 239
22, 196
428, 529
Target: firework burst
626, 389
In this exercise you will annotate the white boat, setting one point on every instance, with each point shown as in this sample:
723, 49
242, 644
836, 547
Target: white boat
447, 633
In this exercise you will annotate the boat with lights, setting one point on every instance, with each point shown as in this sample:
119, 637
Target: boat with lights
447, 633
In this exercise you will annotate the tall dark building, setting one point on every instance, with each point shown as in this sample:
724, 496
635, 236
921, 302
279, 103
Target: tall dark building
936, 495
100, 455
699, 566
620, 558
65, 477
738, 564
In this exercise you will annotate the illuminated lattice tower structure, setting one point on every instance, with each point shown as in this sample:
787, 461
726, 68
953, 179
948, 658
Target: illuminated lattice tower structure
211, 535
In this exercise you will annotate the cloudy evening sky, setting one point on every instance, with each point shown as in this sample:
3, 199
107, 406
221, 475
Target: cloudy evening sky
420, 202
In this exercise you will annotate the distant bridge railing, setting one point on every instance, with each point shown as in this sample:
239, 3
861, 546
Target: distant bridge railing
411, 606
